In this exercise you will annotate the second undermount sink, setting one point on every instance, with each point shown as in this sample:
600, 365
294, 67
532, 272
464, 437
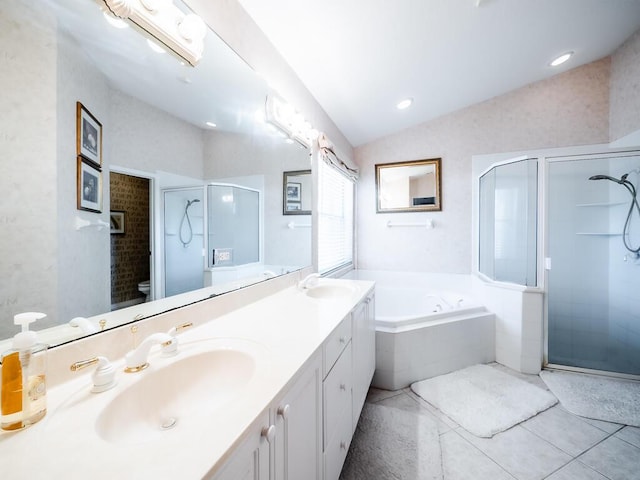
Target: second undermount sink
330, 290
180, 393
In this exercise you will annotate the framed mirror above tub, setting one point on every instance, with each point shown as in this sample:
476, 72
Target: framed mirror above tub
413, 186
166, 126
296, 192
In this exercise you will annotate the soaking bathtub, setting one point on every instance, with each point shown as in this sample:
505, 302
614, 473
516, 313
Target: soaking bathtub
423, 331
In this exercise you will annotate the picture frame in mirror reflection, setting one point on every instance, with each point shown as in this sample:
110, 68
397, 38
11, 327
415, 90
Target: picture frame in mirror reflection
296, 192
88, 135
89, 185
411, 186
116, 220
293, 191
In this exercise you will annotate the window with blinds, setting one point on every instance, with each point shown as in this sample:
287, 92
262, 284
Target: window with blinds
335, 218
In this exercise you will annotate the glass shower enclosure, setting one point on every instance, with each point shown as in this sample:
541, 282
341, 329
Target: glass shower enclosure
593, 274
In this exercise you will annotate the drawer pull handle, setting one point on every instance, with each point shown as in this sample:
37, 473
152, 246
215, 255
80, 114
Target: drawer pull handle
284, 411
269, 433
343, 445
343, 387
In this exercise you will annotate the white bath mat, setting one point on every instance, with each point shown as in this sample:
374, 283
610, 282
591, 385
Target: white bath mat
609, 399
484, 400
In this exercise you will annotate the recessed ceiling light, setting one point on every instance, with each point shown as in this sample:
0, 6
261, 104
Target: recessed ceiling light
406, 103
561, 59
211, 124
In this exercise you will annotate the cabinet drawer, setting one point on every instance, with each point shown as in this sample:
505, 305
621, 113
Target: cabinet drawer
337, 391
336, 452
335, 344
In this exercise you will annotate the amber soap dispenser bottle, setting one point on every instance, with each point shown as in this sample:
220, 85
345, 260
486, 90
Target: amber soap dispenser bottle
23, 390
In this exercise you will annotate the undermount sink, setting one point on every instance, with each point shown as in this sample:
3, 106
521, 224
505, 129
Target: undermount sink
328, 291
179, 394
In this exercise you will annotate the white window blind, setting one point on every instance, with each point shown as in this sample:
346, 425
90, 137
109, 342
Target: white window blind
335, 218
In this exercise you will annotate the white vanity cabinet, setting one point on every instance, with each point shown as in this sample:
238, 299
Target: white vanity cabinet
250, 460
306, 433
286, 442
338, 411
297, 416
349, 363
364, 352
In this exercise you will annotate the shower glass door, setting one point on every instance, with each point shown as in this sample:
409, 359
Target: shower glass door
183, 240
593, 302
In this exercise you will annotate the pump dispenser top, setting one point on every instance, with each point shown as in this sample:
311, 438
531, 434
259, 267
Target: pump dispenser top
24, 389
26, 338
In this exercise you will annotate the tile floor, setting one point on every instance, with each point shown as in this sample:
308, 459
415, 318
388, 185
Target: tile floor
554, 445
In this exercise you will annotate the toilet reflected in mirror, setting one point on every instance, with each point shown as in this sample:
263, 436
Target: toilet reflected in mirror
145, 287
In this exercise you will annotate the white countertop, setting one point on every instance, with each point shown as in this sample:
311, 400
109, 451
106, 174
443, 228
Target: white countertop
289, 327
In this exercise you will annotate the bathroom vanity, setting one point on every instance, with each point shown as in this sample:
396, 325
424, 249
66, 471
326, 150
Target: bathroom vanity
271, 390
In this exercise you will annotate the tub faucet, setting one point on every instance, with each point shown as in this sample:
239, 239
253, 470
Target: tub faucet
136, 359
309, 281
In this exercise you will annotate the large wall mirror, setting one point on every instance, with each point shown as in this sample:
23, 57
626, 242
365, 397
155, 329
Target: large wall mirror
160, 161
408, 186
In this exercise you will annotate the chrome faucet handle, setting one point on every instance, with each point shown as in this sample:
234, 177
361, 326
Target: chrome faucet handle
103, 377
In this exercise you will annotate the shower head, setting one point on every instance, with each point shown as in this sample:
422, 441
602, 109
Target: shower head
195, 200
607, 177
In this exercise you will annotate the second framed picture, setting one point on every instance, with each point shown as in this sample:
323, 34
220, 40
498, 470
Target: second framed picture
88, 136
89, 184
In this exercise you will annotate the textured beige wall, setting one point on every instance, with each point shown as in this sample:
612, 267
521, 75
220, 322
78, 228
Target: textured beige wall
27, 164
625, 89
569, 109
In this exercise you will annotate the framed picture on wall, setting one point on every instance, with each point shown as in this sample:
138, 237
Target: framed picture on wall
89, 183
117, 222
88, 136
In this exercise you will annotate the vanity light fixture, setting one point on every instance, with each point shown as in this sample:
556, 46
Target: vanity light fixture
183, 34
561, 59
284, 117
404, 104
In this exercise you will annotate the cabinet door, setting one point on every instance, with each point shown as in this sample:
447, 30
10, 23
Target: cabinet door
298, 419
251, 460
364, 353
